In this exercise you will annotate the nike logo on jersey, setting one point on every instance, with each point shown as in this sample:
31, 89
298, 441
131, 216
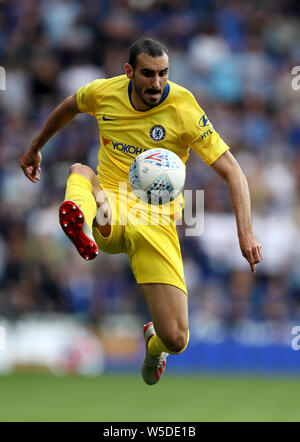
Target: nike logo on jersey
108, 119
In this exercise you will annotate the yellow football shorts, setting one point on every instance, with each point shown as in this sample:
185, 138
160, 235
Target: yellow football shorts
150, 241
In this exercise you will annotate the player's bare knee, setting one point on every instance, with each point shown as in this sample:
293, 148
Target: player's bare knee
75, 168
177, 341
104, 213
82, 169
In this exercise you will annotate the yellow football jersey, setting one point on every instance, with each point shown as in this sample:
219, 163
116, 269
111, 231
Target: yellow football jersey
177, 123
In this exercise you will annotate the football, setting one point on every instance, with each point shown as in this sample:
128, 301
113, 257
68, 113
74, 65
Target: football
157, 176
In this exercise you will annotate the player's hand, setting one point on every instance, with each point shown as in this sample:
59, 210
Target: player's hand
30, 164
251, 250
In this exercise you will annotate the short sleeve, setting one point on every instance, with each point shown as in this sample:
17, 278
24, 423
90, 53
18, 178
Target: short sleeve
87, 96
198, 132
211, 147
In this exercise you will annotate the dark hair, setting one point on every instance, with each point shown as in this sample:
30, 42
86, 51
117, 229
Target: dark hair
146, 45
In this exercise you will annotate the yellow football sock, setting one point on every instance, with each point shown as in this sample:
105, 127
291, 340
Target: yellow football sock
79, 189
156, 346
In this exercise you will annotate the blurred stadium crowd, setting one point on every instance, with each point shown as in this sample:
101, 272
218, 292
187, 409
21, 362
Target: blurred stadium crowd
236, 57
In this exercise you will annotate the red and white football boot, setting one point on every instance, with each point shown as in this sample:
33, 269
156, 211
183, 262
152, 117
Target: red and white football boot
72, 221
153, 366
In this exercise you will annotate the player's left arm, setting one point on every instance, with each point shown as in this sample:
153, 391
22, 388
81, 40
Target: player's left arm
228, 168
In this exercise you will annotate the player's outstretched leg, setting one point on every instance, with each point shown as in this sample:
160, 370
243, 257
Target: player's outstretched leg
73, 223
153, 366
168, 308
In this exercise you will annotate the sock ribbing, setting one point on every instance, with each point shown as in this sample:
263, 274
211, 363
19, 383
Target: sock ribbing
79, 189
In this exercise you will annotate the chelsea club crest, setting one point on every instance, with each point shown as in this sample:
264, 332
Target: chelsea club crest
157, 133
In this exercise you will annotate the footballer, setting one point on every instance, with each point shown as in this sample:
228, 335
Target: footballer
137, 111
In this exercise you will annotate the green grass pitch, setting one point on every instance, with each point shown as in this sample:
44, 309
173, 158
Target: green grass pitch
43, 397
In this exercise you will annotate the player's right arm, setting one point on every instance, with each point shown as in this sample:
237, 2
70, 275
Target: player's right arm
61, 115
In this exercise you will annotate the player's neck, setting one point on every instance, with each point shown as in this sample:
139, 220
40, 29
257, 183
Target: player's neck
138, 104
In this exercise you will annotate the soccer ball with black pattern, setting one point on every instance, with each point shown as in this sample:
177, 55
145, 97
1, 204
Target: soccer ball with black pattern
157, 176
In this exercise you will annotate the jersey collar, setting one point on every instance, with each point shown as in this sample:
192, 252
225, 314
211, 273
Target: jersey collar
164, 95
